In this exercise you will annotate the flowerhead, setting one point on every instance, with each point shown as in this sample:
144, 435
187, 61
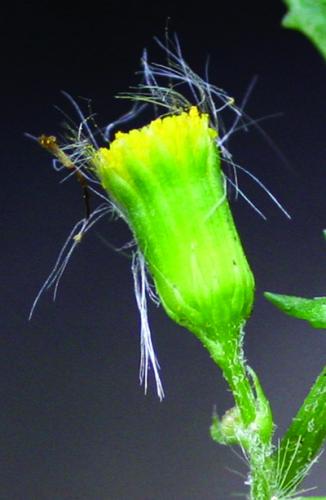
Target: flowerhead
167, 181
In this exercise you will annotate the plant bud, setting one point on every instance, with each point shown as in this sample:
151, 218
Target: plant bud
167, 181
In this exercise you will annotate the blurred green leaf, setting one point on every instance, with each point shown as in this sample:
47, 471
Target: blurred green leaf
311, 310
309, 17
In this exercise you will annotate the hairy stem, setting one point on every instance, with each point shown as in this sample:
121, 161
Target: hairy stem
254, 437
236, 376
261, 472
234, 371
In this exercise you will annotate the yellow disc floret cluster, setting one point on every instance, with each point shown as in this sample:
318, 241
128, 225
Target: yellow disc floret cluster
172, 133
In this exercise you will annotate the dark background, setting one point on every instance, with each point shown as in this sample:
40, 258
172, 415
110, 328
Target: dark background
74, 421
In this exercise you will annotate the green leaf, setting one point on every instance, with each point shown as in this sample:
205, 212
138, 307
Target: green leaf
309, 17
311, 310
301, 443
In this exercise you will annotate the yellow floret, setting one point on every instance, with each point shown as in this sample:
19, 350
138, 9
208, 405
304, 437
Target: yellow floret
174, 132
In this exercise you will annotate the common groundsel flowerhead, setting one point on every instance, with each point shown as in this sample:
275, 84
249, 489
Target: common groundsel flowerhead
167, 181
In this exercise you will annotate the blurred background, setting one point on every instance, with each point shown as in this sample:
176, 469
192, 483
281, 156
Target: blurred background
74, 423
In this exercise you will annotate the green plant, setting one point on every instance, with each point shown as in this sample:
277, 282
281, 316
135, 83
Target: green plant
165, 180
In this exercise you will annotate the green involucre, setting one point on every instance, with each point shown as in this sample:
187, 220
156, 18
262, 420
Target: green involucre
166, 179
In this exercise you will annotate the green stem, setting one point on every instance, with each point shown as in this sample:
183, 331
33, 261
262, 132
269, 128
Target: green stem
236, 377
261, 465
234, 372
261, 471
249, 403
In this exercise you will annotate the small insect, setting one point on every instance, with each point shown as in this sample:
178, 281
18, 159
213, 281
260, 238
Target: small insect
50, 143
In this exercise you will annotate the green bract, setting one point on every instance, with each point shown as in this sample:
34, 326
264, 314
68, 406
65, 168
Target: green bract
166, 179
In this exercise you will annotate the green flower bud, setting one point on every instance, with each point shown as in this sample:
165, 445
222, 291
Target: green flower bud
166, 179
231, 428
